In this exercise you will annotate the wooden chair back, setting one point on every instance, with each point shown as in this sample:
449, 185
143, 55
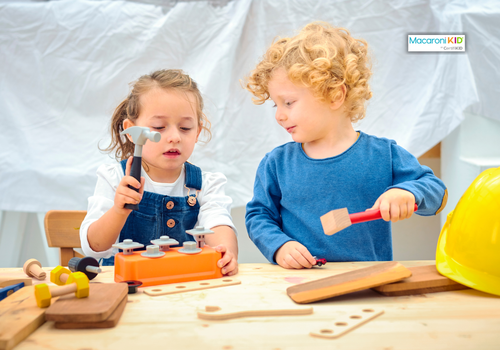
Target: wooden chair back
62, 228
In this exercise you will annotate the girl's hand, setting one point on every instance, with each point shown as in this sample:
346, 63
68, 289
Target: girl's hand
124, 194
395, 204
228, 263
293, 255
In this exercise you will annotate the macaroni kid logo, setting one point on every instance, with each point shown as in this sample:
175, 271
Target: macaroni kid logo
436, 43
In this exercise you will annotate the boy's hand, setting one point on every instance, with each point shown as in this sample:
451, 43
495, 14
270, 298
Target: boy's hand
293, 255
395, 204
124, 194
228, 263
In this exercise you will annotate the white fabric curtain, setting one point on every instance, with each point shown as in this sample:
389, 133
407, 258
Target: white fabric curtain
65, 65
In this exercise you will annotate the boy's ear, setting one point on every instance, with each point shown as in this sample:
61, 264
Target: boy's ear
127, 123
339, 99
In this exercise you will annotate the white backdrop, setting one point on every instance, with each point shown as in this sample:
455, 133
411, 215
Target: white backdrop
65, 65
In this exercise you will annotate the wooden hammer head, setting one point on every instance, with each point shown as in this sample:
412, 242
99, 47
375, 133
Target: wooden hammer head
335, 221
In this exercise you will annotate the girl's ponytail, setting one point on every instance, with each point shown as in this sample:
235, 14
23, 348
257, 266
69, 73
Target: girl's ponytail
123, 147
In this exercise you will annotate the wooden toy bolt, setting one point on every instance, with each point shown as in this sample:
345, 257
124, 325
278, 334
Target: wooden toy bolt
34, 269
139, 136
59, 275
77, 283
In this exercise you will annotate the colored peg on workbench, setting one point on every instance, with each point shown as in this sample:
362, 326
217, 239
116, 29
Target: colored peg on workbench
88, 265
33, 268
77, 283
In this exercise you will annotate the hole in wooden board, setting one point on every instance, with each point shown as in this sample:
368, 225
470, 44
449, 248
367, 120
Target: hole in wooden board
227, 280
180, 287
326, 331
205, 325
211, 308
227, 347
257, 268
341, 324
204, 284
368, 310
156, 290
355, 317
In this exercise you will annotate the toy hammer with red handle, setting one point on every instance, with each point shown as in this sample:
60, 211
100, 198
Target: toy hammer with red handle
337, 220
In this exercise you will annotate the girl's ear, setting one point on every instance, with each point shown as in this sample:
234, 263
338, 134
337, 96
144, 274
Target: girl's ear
127, 123
199, 132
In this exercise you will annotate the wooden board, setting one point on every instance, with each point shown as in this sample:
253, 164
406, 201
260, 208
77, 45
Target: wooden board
19, 317
346, 323
216, 313
9, 281
424, 279
348, 282
110, 322
98, 306
190, 286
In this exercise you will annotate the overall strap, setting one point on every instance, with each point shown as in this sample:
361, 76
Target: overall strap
193, 176
124, 165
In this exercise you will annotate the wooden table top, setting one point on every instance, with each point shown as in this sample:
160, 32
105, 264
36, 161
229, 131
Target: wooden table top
464, 319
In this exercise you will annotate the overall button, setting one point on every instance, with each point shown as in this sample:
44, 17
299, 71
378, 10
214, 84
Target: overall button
170, 205
171, 223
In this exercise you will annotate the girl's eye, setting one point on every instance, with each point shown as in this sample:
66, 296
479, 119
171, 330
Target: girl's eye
158, 127
185, 129
289, 103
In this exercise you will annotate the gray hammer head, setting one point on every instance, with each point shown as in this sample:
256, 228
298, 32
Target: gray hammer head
141, 134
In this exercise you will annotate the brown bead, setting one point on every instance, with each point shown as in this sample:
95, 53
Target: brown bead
171, 223
170, 205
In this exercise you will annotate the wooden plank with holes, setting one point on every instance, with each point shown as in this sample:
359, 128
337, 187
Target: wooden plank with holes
346, 323
348, 282
424, 279
190, 286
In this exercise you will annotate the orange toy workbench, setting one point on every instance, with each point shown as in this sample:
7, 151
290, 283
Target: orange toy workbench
173, 267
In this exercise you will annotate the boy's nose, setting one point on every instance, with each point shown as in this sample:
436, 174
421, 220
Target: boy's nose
280, 116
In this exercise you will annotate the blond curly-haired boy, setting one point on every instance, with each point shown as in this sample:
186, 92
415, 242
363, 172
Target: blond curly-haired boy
318, 81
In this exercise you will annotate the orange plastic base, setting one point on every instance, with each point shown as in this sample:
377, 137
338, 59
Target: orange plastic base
173, 267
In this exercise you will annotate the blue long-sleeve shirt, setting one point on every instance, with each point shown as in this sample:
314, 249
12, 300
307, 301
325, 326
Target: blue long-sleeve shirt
292, 192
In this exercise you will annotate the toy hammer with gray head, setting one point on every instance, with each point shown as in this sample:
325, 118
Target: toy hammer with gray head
139, 136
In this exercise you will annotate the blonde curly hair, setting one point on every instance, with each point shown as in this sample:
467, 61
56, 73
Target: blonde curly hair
323, 58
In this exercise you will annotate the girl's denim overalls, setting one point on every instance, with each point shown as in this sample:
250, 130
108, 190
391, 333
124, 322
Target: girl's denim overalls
160, 215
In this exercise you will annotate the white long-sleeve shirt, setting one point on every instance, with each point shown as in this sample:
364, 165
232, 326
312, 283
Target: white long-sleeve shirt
215, 205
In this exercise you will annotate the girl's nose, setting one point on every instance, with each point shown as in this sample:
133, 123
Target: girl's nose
173, 136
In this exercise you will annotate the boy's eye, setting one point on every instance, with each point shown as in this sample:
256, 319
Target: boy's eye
289, 103
185, 129
158, 127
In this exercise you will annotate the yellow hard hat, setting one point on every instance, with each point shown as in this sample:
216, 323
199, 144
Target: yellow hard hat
468, 249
